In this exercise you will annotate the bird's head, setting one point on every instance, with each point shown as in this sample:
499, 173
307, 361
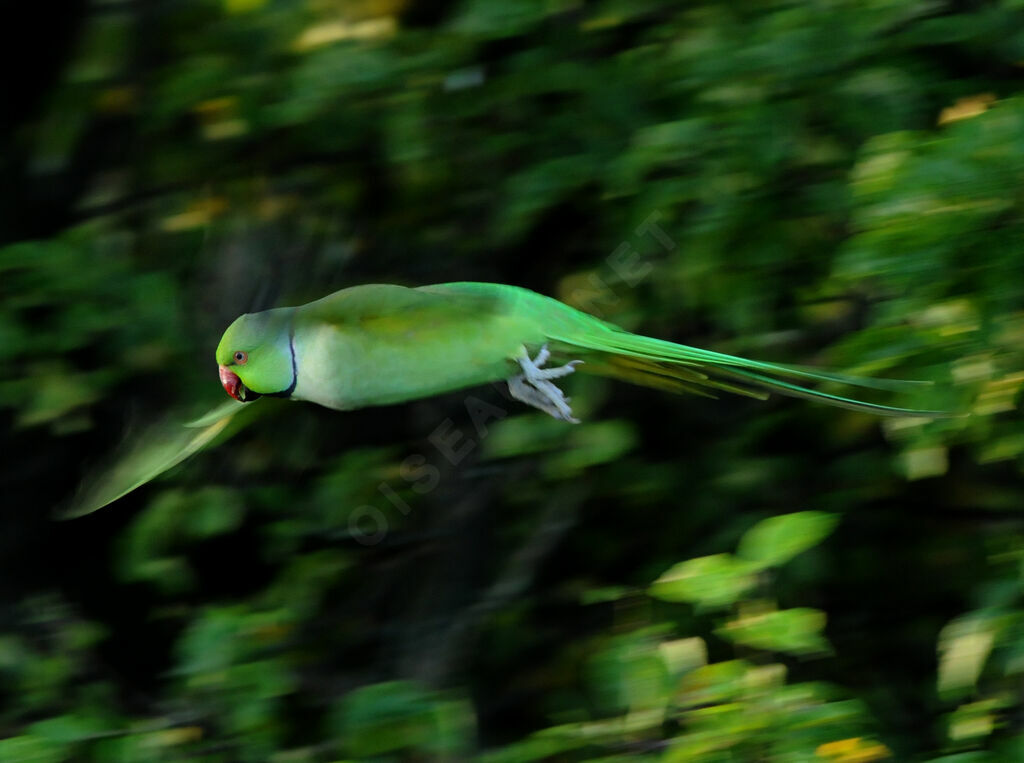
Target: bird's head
255, 355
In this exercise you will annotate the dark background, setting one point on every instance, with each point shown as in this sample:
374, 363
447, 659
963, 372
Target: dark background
835, 184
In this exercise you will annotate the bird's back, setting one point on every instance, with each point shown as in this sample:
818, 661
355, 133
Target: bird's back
379, 344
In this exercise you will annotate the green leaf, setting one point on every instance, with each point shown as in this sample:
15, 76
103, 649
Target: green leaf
776, 540
594, 444
64, 729
31, 749
387, 717
211, 642
213, 511
719, 682
682, 655
794, 631
711, 581
964, 647
630, 673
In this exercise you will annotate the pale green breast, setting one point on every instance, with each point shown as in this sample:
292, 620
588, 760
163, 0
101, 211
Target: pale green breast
348, 367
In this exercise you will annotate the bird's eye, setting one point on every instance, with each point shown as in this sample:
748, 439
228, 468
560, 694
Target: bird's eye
241, 357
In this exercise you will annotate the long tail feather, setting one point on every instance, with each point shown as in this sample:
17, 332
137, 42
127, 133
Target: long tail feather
672, 378
651, 362
795, 390
676, 367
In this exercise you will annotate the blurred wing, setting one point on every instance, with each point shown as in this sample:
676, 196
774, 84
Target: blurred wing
160, 447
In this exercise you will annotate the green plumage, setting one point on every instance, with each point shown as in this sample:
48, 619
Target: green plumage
380, 344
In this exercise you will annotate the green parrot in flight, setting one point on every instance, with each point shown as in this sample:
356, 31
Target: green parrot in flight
380, 344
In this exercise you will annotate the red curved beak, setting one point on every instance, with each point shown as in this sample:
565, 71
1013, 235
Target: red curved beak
230, 381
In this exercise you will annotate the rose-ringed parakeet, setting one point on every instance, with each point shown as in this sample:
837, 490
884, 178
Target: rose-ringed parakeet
379, 344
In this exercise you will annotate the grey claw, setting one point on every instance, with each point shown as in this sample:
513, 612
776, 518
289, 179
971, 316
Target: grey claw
533, 387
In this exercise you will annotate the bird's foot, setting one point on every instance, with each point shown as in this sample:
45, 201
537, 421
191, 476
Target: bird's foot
533, 385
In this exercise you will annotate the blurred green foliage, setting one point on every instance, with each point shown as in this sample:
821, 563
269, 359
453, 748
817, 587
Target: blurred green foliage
835, 183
